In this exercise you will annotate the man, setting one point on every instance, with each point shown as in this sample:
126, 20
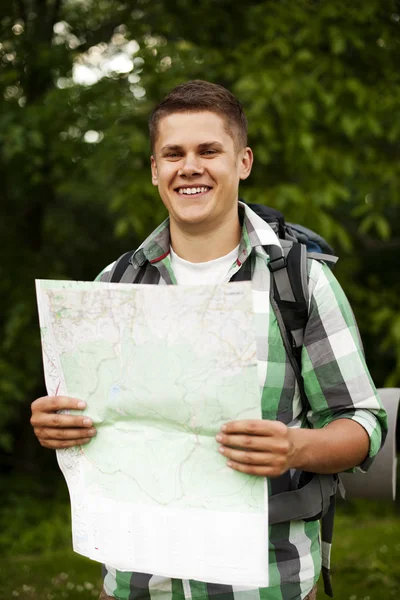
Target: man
199, 155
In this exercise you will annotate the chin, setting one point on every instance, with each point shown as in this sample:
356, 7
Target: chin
193, 221
193, 215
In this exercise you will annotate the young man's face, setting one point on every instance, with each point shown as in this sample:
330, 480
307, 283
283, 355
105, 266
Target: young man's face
197, 169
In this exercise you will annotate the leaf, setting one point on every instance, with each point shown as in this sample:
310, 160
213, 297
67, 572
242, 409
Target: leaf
383, 227
367, 223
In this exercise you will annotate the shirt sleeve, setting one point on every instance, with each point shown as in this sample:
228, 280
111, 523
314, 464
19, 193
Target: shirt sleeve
336, 378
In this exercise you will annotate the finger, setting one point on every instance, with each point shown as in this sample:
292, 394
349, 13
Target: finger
54, 403
59, 444
248, 458
43, 419
254, 427
44, 433
261, 471
254, 442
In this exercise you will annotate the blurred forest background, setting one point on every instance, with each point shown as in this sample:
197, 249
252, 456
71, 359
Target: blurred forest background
320, 83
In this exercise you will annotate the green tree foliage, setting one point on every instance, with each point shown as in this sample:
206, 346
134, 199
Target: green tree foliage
321, 88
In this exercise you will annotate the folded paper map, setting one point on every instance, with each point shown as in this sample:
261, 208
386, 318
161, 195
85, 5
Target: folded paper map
161, 368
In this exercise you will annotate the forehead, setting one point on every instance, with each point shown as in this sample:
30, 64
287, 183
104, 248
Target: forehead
192, 128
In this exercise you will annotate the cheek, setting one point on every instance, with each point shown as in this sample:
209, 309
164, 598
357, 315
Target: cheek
226, 173
166, 176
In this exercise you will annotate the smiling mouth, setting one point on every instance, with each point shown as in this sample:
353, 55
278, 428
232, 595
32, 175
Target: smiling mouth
193, 190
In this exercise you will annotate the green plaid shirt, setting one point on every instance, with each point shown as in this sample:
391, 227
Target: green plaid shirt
337, 383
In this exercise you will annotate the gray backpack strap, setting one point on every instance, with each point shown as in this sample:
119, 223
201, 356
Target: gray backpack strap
125, 271
120, 273
325, 257
288, 267
307, 503
278, 266
327, 523
289, 300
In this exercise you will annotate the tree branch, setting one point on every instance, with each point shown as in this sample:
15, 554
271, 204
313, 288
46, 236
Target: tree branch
365, 240
106, 30
21, 10
102, 34
372, 244
56, 11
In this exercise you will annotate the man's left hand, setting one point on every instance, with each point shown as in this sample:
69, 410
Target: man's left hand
257, 447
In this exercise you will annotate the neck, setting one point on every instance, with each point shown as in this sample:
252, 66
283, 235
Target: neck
196, 245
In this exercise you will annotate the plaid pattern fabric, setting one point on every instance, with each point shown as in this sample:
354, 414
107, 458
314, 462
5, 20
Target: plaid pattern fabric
337, 384
311, 596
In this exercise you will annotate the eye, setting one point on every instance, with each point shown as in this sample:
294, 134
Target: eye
173, 155
209, 152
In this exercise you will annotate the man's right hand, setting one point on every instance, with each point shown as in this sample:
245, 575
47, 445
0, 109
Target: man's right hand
55, 430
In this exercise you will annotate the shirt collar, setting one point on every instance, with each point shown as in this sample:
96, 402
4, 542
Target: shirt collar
255, 232
155, 247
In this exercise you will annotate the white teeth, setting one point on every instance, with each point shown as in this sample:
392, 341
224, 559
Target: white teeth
197, 190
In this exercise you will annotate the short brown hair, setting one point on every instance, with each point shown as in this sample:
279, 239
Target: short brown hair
200, 96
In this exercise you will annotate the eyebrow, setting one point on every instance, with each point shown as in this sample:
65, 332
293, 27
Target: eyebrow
178, 148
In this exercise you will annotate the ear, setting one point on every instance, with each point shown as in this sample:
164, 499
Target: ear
245, 163
154, 172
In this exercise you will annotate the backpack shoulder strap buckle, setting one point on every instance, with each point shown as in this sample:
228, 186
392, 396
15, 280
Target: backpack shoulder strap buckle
276, 264
277, 256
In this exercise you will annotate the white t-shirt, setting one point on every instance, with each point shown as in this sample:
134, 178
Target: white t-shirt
210, 272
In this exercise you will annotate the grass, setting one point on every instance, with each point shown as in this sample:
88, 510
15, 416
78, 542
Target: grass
365, 557
61, 574
365, 565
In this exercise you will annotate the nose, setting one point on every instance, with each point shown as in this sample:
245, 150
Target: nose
191, 166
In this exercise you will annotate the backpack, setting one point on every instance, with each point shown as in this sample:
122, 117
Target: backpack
314, 495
